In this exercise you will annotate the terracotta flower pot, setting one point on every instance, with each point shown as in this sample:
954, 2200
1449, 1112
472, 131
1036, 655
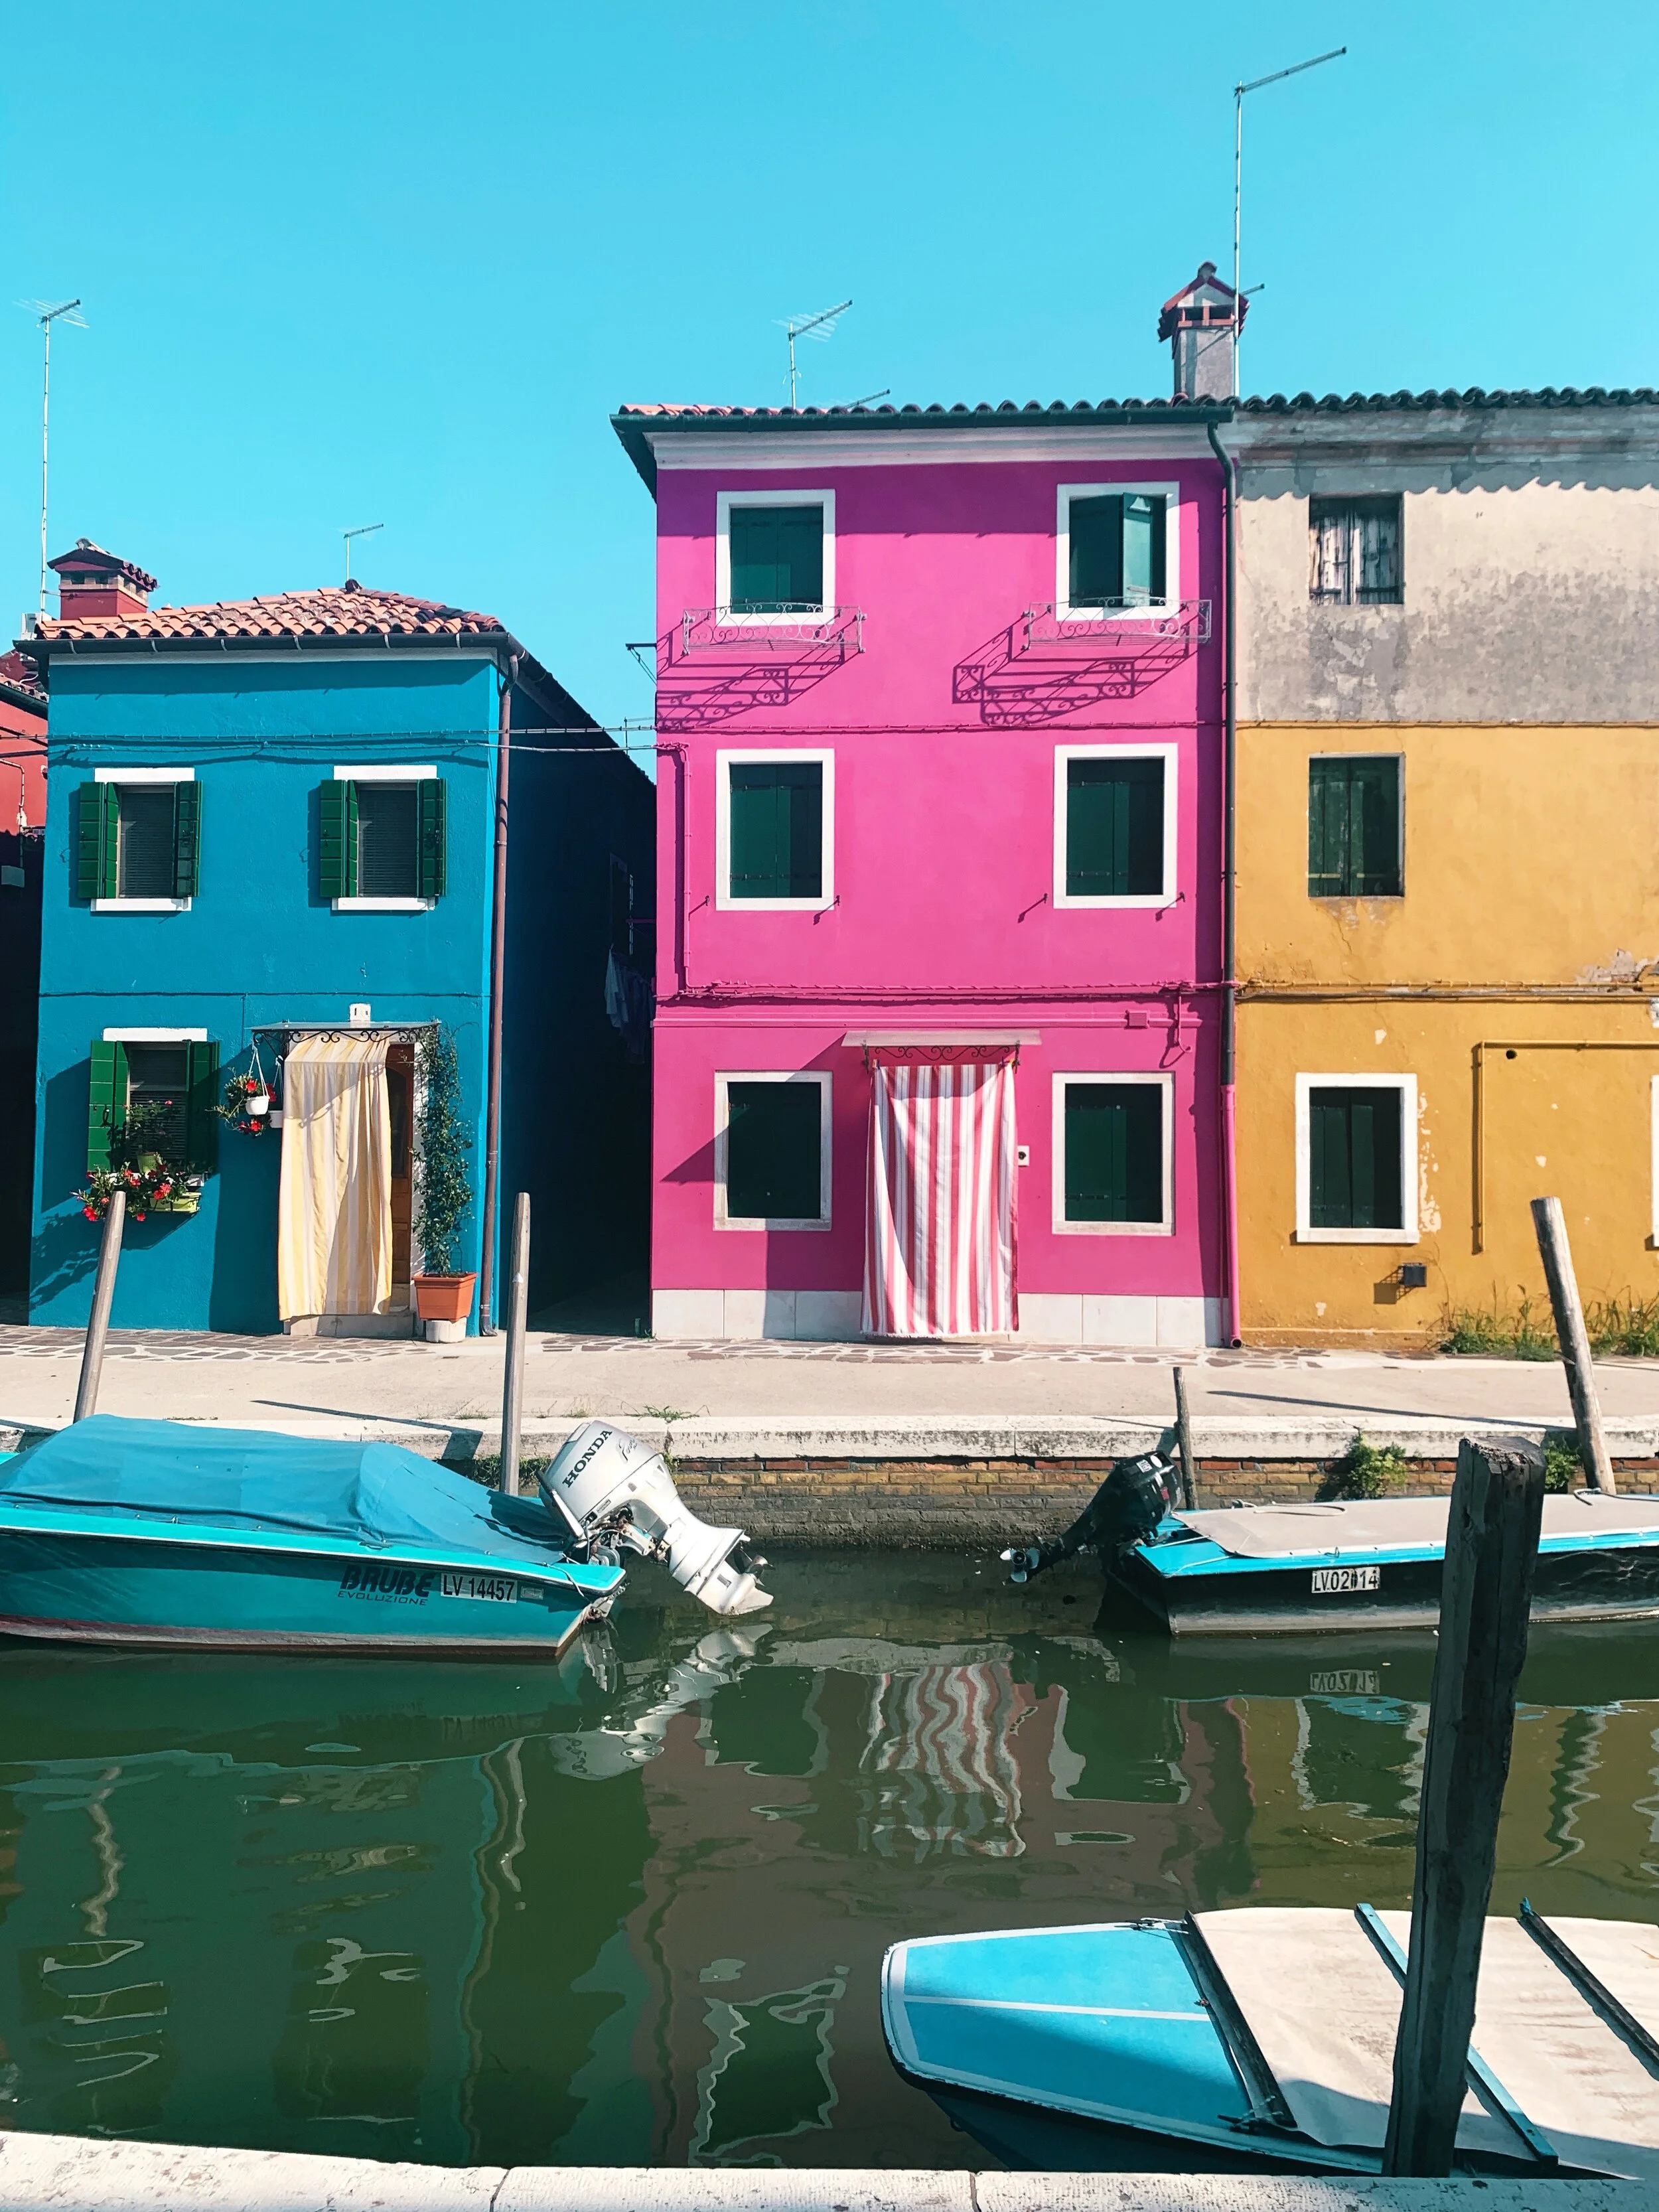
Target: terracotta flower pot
444, 1298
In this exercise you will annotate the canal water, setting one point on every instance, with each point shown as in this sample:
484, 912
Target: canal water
632, 1909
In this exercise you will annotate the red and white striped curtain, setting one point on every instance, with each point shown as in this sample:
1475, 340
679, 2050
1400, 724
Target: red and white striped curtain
940, 1246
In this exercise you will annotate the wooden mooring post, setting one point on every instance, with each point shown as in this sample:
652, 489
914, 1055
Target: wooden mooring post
1556, 1253
1492, 1549
103, 1295
517, 1300
1184, 1436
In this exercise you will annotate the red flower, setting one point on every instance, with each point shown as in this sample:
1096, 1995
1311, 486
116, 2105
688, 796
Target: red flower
138, 1217
91, 1212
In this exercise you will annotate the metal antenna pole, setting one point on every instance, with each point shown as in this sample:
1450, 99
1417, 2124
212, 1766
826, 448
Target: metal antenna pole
46, 315
821, 326
1239, 91
792, 368
363, 530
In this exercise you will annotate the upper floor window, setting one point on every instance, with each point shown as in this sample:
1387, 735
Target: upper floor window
137, 839
1355, 826
1117, 554
774, 554
773, 829
384, 839
1115, 822
1355, 550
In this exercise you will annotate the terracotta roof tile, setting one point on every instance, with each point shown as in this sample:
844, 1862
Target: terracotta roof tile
330, 610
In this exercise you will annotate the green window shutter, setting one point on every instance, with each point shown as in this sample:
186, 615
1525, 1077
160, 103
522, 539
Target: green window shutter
337, 817
202, 1100
773, 1151
107, 1097
1113, 1138
187, 838
1095, 528
1354, 828
776, 557
776, 828
433, 836
1354, 1158
96, 818
1114, 829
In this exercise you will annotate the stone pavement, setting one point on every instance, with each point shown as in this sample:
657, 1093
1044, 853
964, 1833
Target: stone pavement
775, 1399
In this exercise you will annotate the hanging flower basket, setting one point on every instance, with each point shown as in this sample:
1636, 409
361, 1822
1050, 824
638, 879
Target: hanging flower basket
247, 1104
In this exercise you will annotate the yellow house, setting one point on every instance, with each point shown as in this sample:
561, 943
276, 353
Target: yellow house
1447, 838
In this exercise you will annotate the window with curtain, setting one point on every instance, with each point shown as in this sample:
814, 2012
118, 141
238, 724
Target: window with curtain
1354, 826
1114, 1147
139, 841
776, 828
1355, 551
1354, 1158
776, 559
1115, 828
1117, 550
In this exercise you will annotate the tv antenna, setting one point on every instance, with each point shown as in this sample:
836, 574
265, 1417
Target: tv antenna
363, 530
820, 326
45, 314
1239, 91
871, 398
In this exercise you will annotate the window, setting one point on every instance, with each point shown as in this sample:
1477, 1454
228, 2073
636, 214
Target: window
384, 836
1355, 826
1355, 549
772, 1151
1116, 550
1356, 1159
158, 1089
138, 840
1115, 824
773, 829
1112, 1154
774, 556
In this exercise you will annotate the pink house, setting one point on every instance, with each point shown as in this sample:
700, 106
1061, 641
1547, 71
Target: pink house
940, 866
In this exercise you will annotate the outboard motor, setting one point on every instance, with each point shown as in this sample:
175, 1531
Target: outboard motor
612, 1494
1122, 1513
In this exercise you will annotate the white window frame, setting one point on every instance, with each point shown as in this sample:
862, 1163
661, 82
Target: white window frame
155, 1036
119, 775
1170, 494
1169, 755
384, 772
724, 504
723, 762
1165, 1082
1350, 1079
723, 1080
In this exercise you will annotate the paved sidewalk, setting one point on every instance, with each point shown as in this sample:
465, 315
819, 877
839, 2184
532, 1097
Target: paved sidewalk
855, 1400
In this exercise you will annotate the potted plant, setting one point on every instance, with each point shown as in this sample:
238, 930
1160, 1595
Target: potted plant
445, 1198
246, 1104
139, 1166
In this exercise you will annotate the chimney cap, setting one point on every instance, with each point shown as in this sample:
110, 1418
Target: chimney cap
1207, 299
89, 559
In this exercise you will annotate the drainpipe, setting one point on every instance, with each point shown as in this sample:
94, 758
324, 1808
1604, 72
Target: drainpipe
1229, 879
497, 968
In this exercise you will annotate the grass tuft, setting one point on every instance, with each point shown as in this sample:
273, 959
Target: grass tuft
1365, 1470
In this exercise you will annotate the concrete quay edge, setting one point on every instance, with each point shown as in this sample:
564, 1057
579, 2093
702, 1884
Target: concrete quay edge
931, 1437
66, 2173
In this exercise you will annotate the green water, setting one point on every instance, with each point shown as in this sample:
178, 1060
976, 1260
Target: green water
633, 1909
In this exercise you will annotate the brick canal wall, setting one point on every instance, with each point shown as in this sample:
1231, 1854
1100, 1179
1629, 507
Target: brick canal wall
945, 1502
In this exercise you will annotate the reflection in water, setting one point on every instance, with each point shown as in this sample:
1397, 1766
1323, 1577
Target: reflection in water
632, 1907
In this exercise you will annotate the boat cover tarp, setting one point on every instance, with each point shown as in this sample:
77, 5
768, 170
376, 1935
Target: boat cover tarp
1372, 1524
371, 1493
1324, 2008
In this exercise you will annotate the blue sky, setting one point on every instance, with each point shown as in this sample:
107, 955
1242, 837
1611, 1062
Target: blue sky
378, 263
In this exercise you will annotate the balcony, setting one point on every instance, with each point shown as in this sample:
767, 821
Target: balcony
1051, 662
718, 662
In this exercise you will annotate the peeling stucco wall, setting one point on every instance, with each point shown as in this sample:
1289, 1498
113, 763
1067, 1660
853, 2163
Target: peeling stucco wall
1531, 566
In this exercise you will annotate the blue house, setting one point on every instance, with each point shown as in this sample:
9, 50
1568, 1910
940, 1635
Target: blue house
304, 855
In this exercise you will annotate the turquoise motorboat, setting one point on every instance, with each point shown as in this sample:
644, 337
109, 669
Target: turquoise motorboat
131, 1532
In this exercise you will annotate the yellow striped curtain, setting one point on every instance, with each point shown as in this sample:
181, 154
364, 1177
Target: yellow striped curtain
334, 1214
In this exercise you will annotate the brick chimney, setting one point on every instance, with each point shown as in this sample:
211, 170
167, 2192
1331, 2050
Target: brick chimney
92, 582
1200, 324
